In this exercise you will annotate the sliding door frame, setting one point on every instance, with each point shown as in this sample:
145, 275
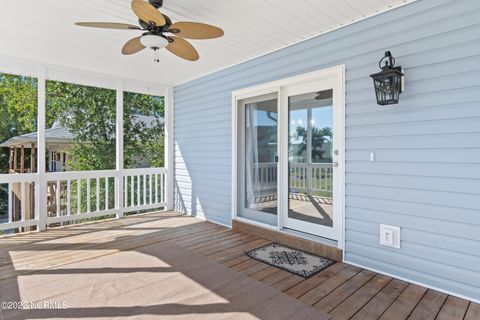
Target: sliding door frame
278, 87
237, 139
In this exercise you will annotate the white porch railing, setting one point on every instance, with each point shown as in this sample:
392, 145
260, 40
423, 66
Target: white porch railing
312, 177
79, 195
18, 211
303, 177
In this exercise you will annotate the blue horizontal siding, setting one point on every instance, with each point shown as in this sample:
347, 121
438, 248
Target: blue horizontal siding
426, 177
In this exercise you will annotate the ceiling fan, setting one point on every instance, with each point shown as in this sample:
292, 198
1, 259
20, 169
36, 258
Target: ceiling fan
160, 32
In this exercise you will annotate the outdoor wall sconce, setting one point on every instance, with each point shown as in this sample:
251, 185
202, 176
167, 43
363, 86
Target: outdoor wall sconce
388, 82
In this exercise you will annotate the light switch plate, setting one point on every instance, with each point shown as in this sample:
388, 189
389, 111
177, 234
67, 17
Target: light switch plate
390, 236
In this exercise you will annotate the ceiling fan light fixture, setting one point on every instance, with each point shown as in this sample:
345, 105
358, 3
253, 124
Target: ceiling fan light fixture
153, 41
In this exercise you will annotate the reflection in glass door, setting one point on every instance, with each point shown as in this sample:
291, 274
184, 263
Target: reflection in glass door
259, 130
310, 159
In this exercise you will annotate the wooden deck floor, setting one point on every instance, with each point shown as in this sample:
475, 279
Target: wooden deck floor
343, 291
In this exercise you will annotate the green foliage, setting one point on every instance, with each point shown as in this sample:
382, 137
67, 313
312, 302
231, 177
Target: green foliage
18, 101
143, 129
319, 137
90, 113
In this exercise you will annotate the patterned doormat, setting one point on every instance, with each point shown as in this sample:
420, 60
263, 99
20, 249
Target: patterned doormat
292, 260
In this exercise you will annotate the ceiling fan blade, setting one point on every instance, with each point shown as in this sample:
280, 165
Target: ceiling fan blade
148, 13
183, 49
195, 30
108, 25
133, 46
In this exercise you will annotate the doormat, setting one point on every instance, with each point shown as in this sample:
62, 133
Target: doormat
292, 260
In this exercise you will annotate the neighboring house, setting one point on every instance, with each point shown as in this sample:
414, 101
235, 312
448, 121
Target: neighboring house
58, 139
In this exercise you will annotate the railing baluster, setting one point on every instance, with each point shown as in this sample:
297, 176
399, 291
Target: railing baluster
156, 188
150, 189
10, 211
327, 177
88, 195
125, 191
299, 176
331, 177
106, 179
322, 180
57, 197
97, 194
264, 177
79, 196
162, 187
132, 190
69, 197
144, 177
304, 177
138, 190
296, 177
325, 180
318, 178
23, 200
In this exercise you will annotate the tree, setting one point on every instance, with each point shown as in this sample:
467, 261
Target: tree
143, 138
18, 101
90, 115
319, 137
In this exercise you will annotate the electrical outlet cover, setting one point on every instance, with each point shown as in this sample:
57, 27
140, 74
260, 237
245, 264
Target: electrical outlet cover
390, 236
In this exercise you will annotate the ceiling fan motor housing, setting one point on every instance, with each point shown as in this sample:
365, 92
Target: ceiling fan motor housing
156, 3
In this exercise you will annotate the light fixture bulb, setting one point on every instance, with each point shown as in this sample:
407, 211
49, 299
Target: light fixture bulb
153, 41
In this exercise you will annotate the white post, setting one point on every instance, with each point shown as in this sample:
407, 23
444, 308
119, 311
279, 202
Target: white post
41, 189
169, 148
308, 170
119, 152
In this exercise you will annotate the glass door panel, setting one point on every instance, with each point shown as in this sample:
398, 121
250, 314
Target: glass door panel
310, 163
259, 165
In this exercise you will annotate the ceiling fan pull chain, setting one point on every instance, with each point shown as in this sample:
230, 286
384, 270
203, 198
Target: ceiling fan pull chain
156, 57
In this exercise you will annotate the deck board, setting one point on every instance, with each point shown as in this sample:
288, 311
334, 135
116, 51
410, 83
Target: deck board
340, 294
350, 306
317, 293
429, 306
405, 303
344, 291
473, 311
453, 309
380, 303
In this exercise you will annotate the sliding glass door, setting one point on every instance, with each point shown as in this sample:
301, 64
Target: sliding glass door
314, 168
258, 159
290, 155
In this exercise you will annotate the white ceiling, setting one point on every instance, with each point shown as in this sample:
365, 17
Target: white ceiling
43, 30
